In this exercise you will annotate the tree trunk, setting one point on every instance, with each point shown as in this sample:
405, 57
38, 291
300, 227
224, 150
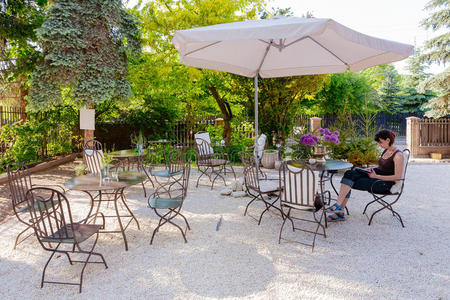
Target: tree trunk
226, 113
23, 103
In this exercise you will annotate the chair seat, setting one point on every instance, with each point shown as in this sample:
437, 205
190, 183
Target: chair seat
82, 233
266, 186
213, 162
165, 173
298, 207
165, 202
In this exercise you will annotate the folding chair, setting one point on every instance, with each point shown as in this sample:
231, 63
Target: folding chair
168, 202
19, 180
396, 192
53, 223
259, 187
299, 194
208, 162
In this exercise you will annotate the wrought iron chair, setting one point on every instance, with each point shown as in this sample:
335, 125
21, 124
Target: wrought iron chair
258, 185
210, 163
19, 180
299, 194
396, 192
171, 174
168, 202
93, 156
53, 223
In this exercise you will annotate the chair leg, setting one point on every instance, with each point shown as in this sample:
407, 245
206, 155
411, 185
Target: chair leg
281, 229
22, 232
46, 264
248, 204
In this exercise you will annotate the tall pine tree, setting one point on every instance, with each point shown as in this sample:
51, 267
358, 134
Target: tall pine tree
85, 45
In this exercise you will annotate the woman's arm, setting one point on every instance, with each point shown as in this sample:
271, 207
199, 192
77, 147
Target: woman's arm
398, 164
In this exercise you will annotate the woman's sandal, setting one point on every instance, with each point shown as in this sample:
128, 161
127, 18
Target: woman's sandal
338, 216
335, 207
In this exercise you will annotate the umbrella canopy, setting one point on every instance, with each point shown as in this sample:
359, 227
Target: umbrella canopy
284, 46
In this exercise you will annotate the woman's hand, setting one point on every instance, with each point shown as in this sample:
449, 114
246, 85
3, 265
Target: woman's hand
372, 174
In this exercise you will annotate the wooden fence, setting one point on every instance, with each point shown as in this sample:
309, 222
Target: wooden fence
434, 132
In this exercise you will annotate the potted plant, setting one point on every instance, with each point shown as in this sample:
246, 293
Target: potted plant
269, 157
319, 141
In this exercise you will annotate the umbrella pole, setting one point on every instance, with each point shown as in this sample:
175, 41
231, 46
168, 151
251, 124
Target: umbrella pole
256, 108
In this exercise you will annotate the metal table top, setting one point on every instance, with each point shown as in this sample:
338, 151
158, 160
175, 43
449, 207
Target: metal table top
91, 182
329, 165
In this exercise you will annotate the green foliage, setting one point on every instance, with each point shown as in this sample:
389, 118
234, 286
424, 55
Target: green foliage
351, 90
437, 48
358, 149
81, 169
440, 105
159, 75
85, 45
280, 99
18, 21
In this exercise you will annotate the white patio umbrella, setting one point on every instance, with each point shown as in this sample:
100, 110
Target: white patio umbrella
284, 46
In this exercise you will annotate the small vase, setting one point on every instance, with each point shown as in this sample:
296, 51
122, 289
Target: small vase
320, 152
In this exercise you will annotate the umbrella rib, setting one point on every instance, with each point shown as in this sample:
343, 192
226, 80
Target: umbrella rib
328, 51
201, 48
264, 57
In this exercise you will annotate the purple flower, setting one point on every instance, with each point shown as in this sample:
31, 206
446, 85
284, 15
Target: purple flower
308, 139
327, 131
321, 131
336, 133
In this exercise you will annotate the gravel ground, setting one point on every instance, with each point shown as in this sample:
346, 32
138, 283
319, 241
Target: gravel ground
244, 260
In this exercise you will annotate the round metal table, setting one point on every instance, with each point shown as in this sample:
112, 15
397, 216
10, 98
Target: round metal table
104, 190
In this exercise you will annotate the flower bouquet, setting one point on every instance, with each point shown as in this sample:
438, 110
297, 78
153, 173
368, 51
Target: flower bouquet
319, 141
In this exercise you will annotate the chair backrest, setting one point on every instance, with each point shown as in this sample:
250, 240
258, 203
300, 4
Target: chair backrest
19, 180
175, 160
259, 147
398, 186
251, 172
93, 156
299, 185
51, 215
184, 181
203, 144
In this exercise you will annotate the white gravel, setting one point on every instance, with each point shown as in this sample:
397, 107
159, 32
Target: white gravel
244, 260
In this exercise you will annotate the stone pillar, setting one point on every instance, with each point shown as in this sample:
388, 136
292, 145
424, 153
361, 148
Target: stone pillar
315, 123
412, 135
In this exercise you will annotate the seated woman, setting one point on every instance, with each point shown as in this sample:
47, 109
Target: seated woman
389, 170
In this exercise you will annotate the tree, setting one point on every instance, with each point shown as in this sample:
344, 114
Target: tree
85, 45
390, 91
280, 99
438, 47
190, 90
18, 51
347, 90
438, 52
416, 68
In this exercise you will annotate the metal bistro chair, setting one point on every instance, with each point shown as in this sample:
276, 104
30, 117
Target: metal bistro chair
258, 185
163, 179
208, 162
395, 193
19, 180
93, 156
171, 200
299, 194
53, 223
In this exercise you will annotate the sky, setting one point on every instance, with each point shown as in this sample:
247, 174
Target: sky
396, 20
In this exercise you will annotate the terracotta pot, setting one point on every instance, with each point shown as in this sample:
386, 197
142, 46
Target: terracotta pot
268, 159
